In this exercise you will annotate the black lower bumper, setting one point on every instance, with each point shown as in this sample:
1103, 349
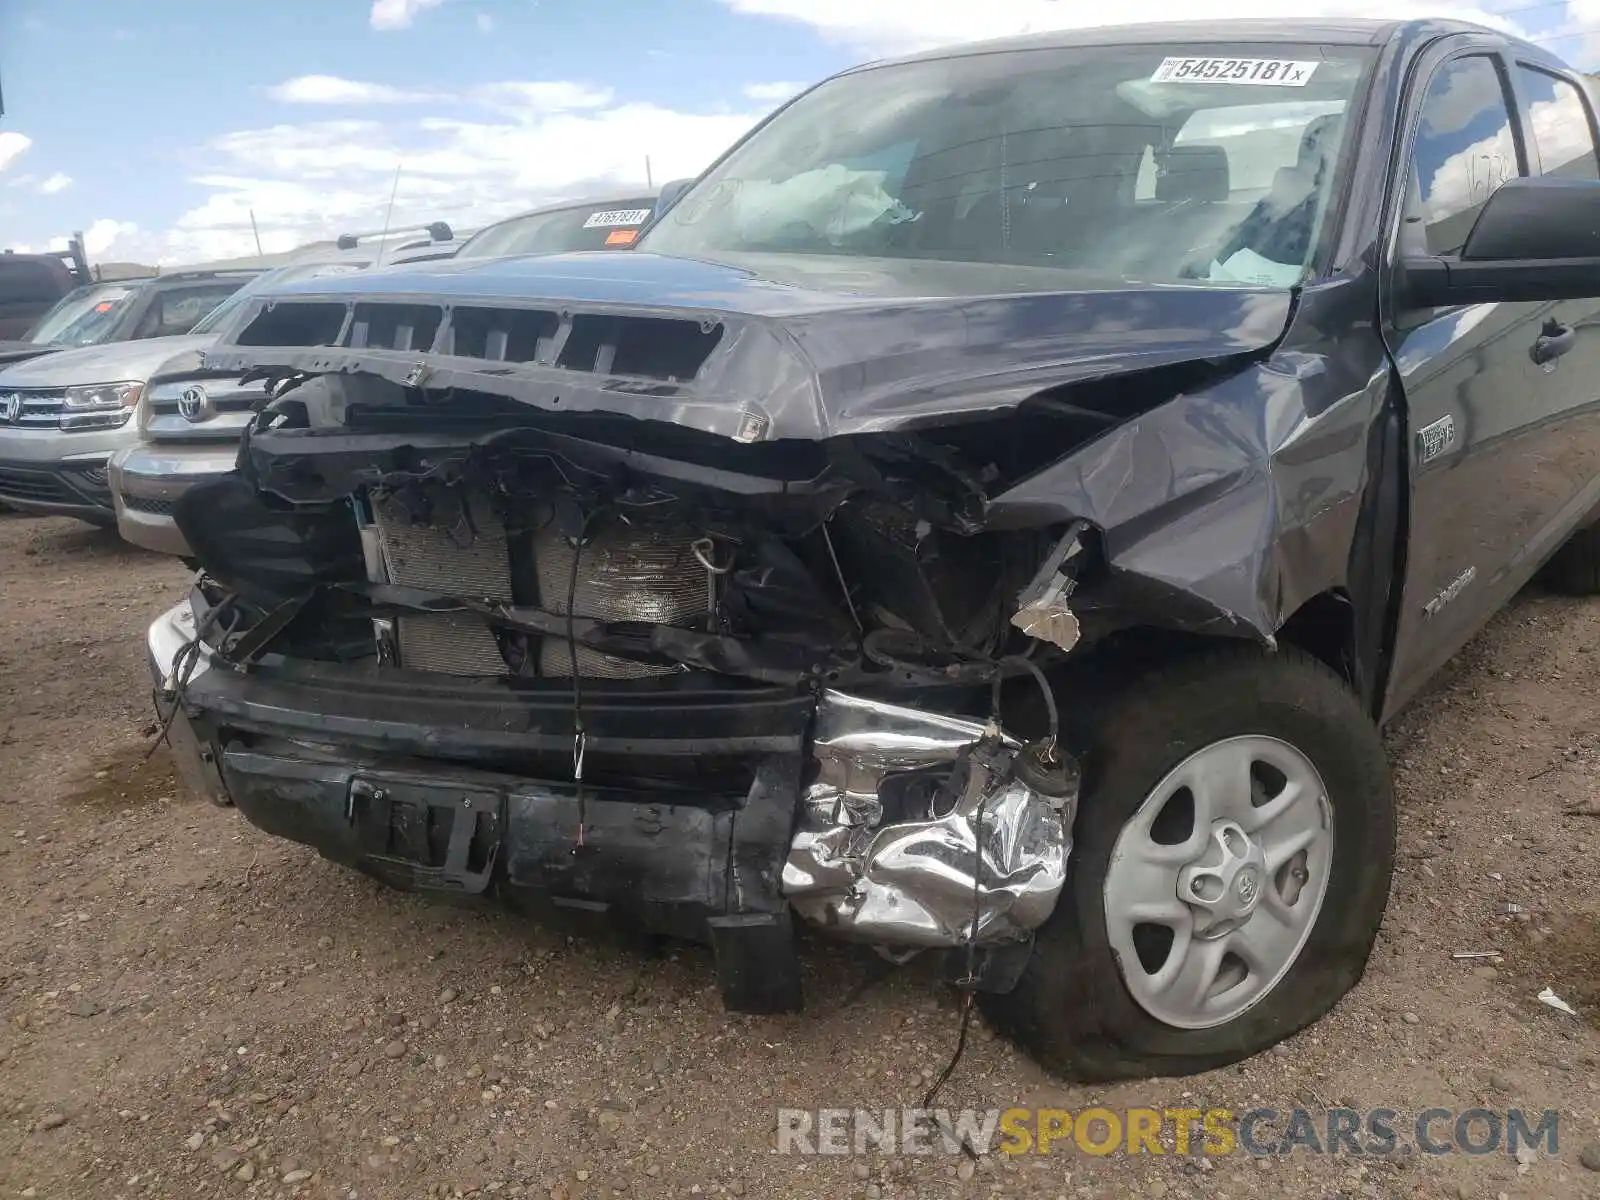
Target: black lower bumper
465, 788
79, 490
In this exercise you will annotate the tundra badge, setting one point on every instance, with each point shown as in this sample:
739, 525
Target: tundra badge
1457, 586
1433, 440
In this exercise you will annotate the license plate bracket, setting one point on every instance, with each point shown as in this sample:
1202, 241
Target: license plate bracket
441, 836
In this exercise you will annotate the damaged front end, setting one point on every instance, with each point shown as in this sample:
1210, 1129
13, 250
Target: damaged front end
483, 626
924, 830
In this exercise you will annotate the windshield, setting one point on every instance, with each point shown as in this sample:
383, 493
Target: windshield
592, 227
1156, 163
288, 274
83, 316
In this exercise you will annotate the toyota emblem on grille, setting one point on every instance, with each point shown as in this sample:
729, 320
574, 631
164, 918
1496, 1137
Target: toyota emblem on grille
194, 404
14, 408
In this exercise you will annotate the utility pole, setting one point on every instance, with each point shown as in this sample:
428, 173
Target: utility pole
256, 232
649, 180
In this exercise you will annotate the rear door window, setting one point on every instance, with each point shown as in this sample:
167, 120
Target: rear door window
1559, 119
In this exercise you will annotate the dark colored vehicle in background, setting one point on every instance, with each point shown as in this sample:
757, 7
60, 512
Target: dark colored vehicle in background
30, 286
608, 223
989, 513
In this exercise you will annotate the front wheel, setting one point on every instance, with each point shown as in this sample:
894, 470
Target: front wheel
1234, 846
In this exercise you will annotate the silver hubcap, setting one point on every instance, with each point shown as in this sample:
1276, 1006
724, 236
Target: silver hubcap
1215, 884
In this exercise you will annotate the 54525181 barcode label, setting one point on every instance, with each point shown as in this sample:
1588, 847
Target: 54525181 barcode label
1275, 72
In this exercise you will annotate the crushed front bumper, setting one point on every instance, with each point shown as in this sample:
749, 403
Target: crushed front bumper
708, 805
414, 779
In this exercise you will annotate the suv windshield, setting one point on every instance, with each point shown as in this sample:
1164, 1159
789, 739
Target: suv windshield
1148, 163
589, 227
83, 316
288, 274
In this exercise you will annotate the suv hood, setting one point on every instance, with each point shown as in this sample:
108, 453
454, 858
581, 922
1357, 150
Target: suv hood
761, 349
114, 362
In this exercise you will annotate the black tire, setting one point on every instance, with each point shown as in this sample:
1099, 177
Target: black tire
1071, 1010
1575, 569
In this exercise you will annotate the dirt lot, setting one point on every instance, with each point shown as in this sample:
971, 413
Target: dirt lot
193, 1009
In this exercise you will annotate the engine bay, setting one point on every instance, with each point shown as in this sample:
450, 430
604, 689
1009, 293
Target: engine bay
478, 537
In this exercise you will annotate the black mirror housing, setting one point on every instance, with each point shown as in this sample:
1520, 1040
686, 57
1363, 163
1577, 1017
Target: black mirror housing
1542, 219
671, 193
1535, 240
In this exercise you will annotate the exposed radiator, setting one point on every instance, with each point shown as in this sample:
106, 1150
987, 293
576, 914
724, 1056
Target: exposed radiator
625, 573
455, 563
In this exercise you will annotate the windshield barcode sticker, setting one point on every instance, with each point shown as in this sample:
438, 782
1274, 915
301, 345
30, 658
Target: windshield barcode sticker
617, 216
1275, 72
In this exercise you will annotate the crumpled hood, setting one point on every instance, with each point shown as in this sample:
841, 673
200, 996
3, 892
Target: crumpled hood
780, 346
114, 362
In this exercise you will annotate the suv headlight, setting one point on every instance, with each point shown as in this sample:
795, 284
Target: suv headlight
100, 405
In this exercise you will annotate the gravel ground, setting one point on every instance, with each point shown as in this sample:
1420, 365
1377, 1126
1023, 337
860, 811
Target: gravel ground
191, 1008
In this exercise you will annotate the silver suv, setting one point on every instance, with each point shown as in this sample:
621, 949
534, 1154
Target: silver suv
62, 415
190, 419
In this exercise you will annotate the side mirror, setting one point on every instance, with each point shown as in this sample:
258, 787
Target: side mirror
440, 231
1535, 240
670, 194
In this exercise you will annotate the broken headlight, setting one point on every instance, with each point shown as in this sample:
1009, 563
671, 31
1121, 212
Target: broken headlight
100, 405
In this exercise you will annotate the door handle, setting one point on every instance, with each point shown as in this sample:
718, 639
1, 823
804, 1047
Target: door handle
1553, 341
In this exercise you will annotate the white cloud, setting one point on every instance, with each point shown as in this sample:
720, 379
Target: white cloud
398, 14
331, 89
772, 93
105, 233
534, 142
891, 26
56, 183
541, 142
533, 100
12, 145
484, 22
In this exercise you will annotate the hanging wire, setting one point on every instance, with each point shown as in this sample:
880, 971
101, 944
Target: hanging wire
580, 736
186, 658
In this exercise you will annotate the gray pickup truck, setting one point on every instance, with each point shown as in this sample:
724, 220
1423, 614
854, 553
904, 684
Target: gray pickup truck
990, 514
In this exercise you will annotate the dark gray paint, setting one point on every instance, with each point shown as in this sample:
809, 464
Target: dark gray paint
1224, 510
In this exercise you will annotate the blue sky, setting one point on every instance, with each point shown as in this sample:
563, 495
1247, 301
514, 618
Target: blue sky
158, 125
